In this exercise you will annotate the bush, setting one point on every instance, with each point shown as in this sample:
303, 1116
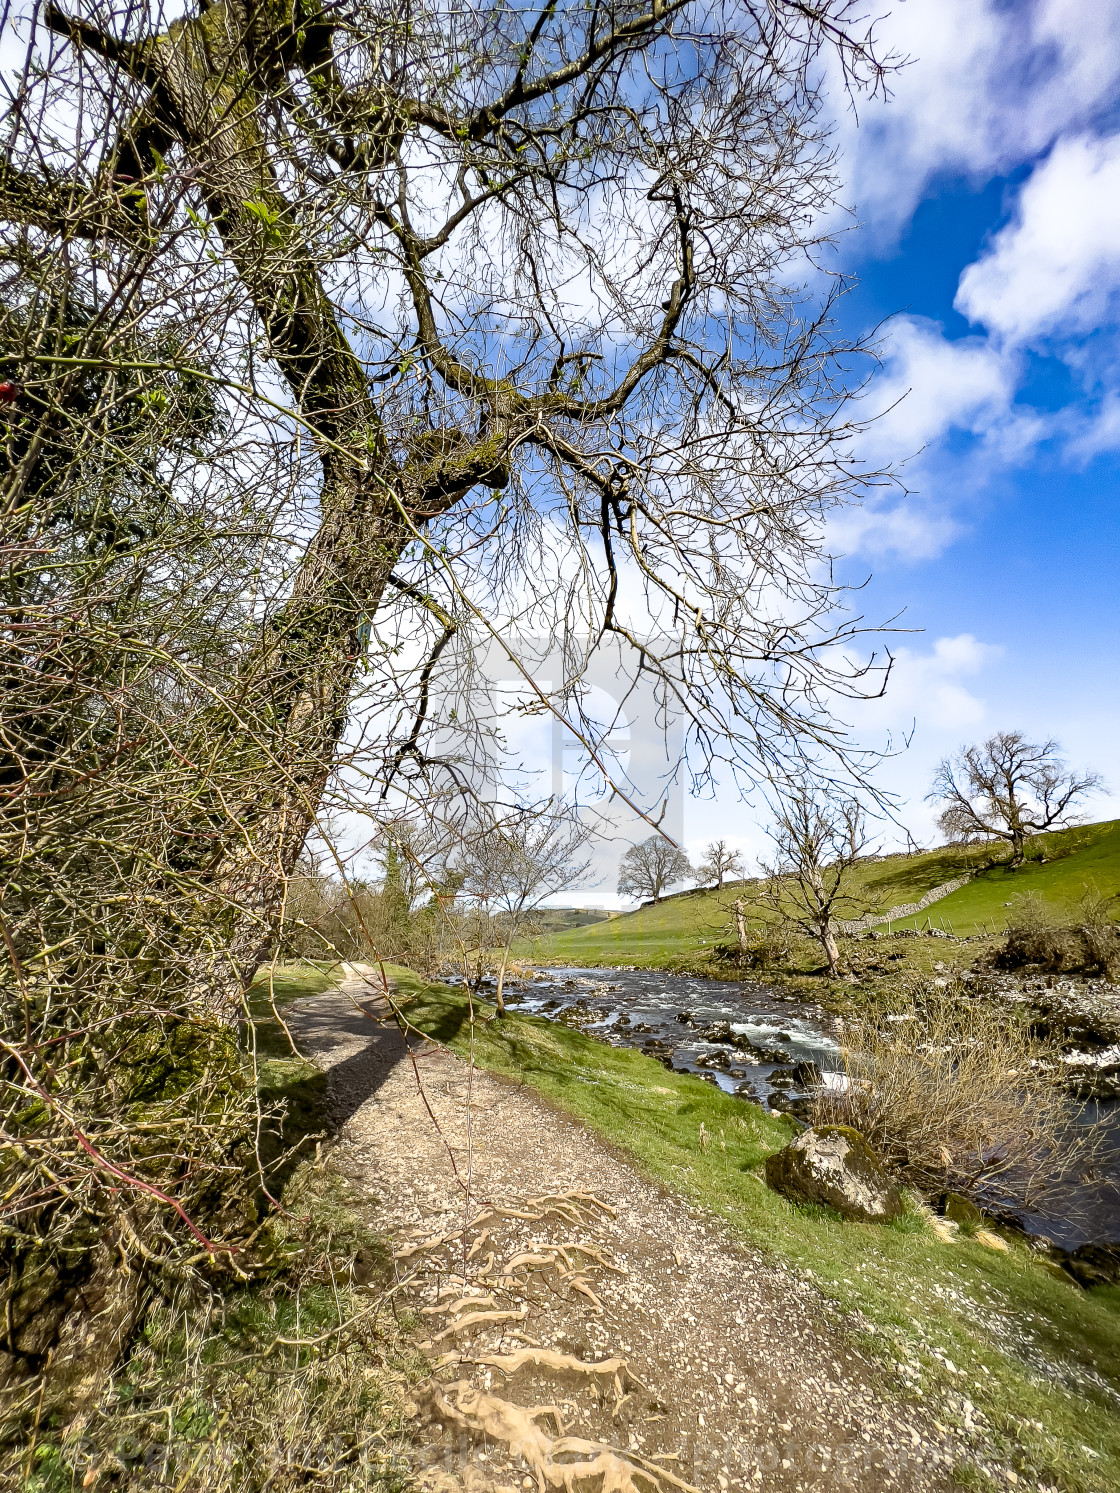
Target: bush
1038, 935
958, 1097
294, 1378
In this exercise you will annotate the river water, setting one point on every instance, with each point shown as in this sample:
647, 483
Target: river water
753, 1041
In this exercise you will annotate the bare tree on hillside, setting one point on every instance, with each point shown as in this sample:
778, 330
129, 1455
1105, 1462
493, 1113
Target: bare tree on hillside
1007, 789
648, 868
720, 862
819, 835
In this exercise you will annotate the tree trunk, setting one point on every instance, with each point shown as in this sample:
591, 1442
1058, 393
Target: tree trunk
831, 949
499, 997
740, 926
287, 709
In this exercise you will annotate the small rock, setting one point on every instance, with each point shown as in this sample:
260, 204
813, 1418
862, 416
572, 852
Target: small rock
834, 1164
959, 1210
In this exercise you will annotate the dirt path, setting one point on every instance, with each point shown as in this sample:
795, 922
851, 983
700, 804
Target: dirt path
591, 1330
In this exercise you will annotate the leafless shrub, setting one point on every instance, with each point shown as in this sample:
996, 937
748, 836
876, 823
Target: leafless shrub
957, 1096
1042, 936
767, 944
1036, 934
298, 1376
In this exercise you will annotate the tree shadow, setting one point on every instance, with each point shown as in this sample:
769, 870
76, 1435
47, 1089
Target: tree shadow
323, 1024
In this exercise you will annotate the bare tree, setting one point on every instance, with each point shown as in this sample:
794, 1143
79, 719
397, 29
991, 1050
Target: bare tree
512, 864
646, 869
819, 835
420, 347
719, 862
334, 345
1007, 789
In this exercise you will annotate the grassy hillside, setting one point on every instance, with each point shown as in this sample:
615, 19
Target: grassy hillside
1061, 866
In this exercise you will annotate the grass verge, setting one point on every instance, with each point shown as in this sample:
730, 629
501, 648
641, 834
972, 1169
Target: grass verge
294, 1379
985, 1333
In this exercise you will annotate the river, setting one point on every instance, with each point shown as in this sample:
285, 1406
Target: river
753, 1041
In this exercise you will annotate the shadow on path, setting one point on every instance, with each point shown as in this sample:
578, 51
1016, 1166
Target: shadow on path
357, 1046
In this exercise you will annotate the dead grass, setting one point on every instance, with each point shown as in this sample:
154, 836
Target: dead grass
959, 1097
293, 1381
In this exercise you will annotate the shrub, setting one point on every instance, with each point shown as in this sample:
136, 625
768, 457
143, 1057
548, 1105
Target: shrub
1038, 935
1099, 934
958, 1097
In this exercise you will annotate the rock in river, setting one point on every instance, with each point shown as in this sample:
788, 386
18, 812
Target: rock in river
833, 1164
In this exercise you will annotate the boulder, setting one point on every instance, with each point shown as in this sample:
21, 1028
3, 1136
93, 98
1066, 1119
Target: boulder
759, 1052
807, 1075
720, 1058
833, 1164
719, 1031
1095, 1264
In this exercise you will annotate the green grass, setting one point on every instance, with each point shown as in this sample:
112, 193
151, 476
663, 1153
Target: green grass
1086, 859
288, 982
682, 932
1037, 1355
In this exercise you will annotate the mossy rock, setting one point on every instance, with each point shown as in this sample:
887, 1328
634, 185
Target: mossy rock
834, 1165
959, 1210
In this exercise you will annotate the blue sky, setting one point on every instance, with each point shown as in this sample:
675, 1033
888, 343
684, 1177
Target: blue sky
986, 193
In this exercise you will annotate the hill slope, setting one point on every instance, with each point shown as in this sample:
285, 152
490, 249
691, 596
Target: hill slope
1061, 867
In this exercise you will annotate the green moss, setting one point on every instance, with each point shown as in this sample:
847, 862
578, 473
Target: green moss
159, 1062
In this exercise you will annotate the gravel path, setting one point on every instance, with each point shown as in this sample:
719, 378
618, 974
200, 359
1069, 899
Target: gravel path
732, 1372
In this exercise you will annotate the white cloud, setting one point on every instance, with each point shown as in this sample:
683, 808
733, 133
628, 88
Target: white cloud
909, 528
990, 85
925, 689
1057, 265
930, 386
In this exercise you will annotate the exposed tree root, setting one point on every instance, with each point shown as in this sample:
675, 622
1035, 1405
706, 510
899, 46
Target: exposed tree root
463, 1408
577, 1283
480, 1319
578, 1208
529, 1260
616, 1370
451, 1307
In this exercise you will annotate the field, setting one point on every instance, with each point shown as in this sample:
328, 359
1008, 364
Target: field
683, 930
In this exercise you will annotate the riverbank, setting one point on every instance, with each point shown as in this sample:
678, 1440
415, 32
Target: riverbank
1030, 1352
